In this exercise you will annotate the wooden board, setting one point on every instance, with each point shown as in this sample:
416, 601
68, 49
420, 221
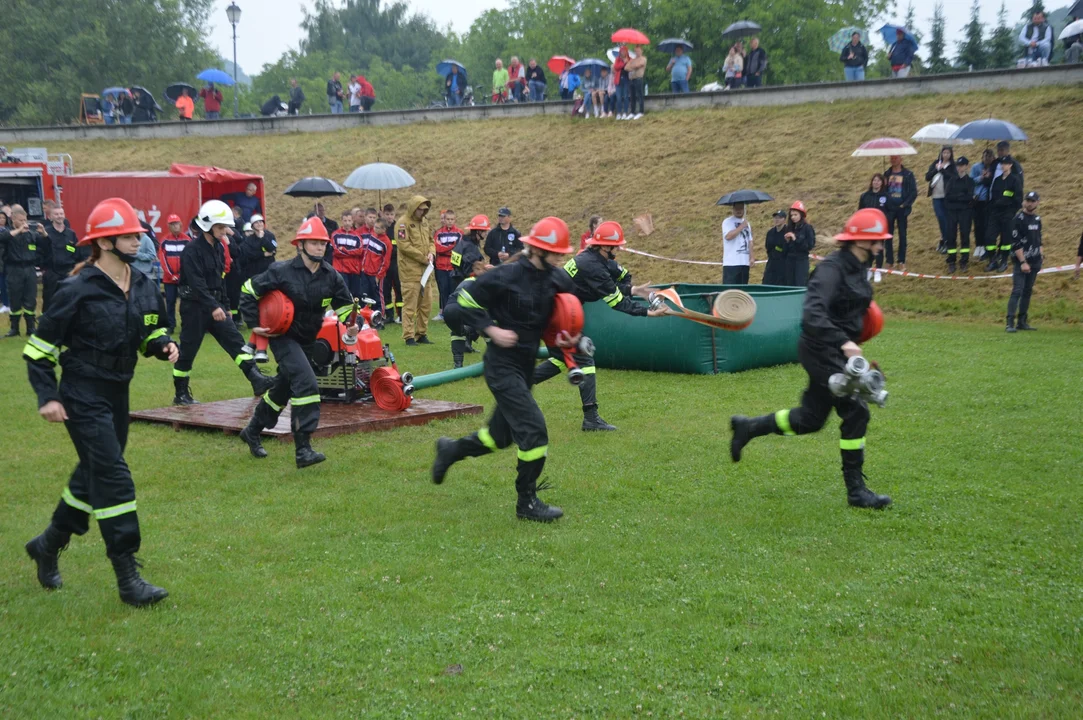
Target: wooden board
230, 416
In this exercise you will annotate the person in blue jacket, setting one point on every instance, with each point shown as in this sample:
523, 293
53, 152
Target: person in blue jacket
901, 54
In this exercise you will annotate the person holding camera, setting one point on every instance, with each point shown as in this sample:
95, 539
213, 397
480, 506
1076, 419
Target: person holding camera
19, 246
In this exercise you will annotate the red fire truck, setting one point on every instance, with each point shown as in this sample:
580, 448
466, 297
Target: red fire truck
30, 176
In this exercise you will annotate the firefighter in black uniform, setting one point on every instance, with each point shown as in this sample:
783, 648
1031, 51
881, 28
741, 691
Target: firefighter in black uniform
838, 295
19, 246
1005, 199
203, 303
313, 286
102, 317
467, 261
57, 256
592, 273
1027, 255
511, 304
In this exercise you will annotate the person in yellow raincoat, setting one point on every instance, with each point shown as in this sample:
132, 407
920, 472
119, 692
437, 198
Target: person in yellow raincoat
414, 238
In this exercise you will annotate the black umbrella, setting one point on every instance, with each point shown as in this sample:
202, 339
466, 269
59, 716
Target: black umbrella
174, 91
742, 28
670, 45
149, 94
744, 196
314, 187
1076, 10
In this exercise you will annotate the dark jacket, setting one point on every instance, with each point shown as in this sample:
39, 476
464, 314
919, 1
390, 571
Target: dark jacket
756, 62
901, 54
58, 252
1006, 194
334, 90
535, 74
312, 293
860, 58
775, 272
21, 249
838, 295
467, 252
797, 251
202, 273
100, 330
252, 249
500, 240
460, 83
958, 191
144, 109
593, 281
907, 187
870, 199
1027, 236
297, 99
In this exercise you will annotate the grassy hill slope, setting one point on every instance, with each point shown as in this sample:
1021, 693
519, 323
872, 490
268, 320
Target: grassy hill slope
675, 165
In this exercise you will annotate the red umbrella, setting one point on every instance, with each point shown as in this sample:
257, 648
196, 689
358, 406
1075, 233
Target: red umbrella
630, 36
559, 63
884, 147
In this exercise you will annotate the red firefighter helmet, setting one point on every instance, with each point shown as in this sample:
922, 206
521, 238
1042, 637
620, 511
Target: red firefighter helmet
551, 234
479, 222
874, 323
311, 229
609, 234
799, 207
866, 224
110, 218
276, 312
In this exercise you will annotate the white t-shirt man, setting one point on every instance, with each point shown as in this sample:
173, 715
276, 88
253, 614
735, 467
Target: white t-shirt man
355, 94
737, 251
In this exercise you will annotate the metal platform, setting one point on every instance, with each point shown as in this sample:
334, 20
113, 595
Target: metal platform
230, 416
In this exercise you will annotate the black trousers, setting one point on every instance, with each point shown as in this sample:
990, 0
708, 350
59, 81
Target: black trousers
101, 484
588, 389
735, 274
295, 383
23, 290
392, 285
460, 333
172, 294
1022, 287
445, 285
958, 235
370, 288
197, 322
998, 235
234, 281
353, 284
896, 220
817, 402
50, 279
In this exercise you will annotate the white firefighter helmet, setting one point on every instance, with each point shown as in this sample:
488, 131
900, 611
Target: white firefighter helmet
214, 212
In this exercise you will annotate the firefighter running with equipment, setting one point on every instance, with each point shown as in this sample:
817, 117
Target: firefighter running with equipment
312, 286
834, 318
592, 272
512, 305
203, 299
19, 248
467, 262
98, 322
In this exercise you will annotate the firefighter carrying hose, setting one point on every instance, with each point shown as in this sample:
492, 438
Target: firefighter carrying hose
313, 286
511, 304
838, 296
592, 271
98, 322
203, 306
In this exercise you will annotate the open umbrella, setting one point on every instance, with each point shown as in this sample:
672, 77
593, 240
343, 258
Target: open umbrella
174, 91
214, 75
444, 68
670, 45
116, 91
741, 28
884, 147
379, 176
149, 94
559, 63
940, 134
1071, 29
592, 64
888, 31
630, 36
842, 38
315, 187
991, 129
744, 196
1076, 10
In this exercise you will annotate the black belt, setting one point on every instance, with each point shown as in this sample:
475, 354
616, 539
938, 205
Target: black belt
116, 363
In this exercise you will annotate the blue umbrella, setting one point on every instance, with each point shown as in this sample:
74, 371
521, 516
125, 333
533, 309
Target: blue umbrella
887, 32
115, 91
214, 75
588, 64
670, 45
444, 68
992, 130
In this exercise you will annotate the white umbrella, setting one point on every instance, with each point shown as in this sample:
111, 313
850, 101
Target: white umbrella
939, 134
379, 176
1071, 30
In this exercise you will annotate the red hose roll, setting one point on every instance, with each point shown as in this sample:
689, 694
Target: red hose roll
387, 389
276, 312
874, 323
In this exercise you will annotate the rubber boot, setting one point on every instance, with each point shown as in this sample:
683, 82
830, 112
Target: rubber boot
251, 436
260, 383
304, 454
183, 393
134, 590
14, 331
45, 551
857, 494
745, 428
593, 422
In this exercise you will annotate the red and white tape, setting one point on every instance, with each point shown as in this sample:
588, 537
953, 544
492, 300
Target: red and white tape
902, 273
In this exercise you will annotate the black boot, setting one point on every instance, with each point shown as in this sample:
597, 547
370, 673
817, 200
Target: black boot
1011, 325
424, 340
856, 493
14, 331
457, 361
183, 394
745, 428
250, 435
951, 268
134, 590
45, 551
469, 349
260, 383
592, 421
964, 265
31, 325
531, 507
446, 456
1023, 324
304, 454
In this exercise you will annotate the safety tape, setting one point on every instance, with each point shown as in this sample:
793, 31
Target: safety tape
902, 273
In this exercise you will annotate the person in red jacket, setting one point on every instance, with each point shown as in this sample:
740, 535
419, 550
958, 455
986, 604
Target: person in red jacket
595, 221
348, 253
445, 239
212, 102
368, 94
170, 247
375, 263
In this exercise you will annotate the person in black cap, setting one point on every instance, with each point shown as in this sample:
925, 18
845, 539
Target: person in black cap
1027, 257
775, 272
504, 240
1005, 199
958, 197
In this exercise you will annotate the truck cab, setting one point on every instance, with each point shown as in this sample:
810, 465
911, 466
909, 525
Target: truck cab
30, 176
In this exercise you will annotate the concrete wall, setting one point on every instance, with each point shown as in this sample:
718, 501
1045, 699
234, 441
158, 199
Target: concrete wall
778, 95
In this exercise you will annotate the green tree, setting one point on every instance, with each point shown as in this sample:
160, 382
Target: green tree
1002, 48
972, 51
56, 49
938, 63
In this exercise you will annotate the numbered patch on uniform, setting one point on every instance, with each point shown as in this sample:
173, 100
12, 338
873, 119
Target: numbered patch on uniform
150, 319
571, 268
456, 259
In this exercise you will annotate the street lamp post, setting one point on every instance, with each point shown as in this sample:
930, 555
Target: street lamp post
234, 14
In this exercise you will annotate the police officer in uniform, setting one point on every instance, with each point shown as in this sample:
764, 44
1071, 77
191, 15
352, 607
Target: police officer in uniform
102, 317
591, 274
511, 304
838, 295
57, 255
1027, 256
313, 286
203, 303
19, 246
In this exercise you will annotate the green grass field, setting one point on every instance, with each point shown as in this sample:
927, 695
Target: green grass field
677, 583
